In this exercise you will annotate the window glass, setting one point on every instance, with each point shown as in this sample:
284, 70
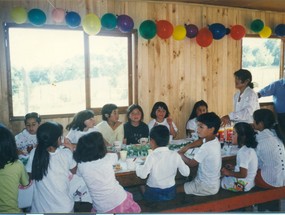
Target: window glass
262, 58
51, 73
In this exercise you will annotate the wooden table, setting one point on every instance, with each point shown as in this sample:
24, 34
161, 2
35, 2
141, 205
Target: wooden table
130, 179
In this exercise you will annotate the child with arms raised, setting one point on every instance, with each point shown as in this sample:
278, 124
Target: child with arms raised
241, 177
161, 116
161, 166
208, 157
199, 108
135, 128
50, 168
95, 166
12, 173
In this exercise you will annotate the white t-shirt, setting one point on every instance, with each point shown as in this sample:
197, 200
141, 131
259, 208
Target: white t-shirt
271, 158
243, 109
164, 122
209, 158
247, 158
51, 194
192, 125
74, 135
109, 134
104, 189
24, 138
161, 166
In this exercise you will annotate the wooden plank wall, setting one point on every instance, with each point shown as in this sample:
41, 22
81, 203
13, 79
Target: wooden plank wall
176, 72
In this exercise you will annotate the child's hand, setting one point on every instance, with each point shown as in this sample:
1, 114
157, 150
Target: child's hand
225, 172
169, 120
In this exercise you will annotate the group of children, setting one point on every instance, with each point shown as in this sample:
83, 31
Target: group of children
84, 151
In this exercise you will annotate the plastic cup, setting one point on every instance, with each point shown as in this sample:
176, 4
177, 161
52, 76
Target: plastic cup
118, 145
131, 164
123, 155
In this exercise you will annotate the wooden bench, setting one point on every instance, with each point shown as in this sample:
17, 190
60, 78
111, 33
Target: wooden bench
223, 201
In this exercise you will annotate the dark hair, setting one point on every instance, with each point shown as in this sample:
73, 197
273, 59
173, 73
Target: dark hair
47, 135
90, 147
78, 120
267, 117
8, 148
246, 135
160, 134
196, 105
107, 110
210, 120
159, 105
133, 107
244, 75
32, 115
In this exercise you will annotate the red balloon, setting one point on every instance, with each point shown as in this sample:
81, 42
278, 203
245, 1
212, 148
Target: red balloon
237, 32
164, 29
204, 37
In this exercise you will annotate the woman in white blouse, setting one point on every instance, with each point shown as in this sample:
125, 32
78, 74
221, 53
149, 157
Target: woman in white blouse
245, 101
270, 150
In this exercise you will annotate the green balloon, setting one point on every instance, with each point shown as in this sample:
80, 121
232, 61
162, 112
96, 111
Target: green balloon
147, 29
257, 25
109, 21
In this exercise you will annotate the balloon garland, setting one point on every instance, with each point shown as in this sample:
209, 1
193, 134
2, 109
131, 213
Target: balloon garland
148, 29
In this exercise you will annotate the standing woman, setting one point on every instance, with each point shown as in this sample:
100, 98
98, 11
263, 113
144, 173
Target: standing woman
270, 150
51, 167
245, 101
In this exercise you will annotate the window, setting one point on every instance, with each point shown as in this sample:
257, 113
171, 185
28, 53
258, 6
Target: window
57, 71
262, 57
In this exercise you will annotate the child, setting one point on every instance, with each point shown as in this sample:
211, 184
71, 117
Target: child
12, 173
208, 157
135, 128
51, 167
199, 108
95, 166
270, 150
161, 116
82, 123
27, 139
241, 177
161, 166
111, 128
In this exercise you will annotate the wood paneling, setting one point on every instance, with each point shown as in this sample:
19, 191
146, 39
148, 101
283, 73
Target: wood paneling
176, 72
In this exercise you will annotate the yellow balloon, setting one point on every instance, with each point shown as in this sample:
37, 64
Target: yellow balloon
91, 24
265, 32
19, 15
179, 32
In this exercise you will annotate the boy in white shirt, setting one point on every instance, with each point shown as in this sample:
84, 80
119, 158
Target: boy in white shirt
208, 157
161, 166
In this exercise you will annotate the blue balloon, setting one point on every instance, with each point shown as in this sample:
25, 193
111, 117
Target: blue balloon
72, 19
280, 30
218, 30
37, 17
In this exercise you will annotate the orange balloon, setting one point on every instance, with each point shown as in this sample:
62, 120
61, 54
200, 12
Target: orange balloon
164, 29
204, 37
237, 32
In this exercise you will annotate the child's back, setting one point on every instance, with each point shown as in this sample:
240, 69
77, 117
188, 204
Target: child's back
162, 165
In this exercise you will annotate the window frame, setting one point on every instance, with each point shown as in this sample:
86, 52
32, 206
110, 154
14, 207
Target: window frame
282, 57
132, 67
